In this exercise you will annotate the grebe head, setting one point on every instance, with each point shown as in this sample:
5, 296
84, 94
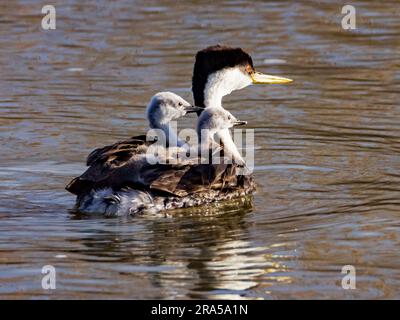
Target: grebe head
166, 106
217, 119
219, 70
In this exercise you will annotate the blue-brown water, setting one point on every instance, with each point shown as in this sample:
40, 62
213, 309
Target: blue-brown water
327, 157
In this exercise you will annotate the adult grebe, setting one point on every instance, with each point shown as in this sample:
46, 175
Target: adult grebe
219, 70
118, 182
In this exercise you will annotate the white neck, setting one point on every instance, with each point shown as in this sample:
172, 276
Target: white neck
230, 148
220, 84
206, 137
170, 134
207, 141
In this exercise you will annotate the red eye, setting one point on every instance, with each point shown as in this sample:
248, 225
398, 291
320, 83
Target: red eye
249, 69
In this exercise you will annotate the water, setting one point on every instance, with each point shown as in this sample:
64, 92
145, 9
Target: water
327, 157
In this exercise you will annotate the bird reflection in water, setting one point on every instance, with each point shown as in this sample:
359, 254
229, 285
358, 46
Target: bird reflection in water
201, 253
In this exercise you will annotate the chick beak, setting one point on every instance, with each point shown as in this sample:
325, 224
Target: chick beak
191, 109
239, 123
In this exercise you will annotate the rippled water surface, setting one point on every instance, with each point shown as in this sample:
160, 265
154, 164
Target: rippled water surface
327, 150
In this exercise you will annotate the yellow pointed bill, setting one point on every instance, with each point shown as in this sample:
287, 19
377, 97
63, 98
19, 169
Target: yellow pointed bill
260, 78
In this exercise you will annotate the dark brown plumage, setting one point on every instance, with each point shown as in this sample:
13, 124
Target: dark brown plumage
121, 165
108, 166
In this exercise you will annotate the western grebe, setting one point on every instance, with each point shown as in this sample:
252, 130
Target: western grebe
118, 182
219, 70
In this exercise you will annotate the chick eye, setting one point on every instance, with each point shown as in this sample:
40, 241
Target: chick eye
180, 104
229, 117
